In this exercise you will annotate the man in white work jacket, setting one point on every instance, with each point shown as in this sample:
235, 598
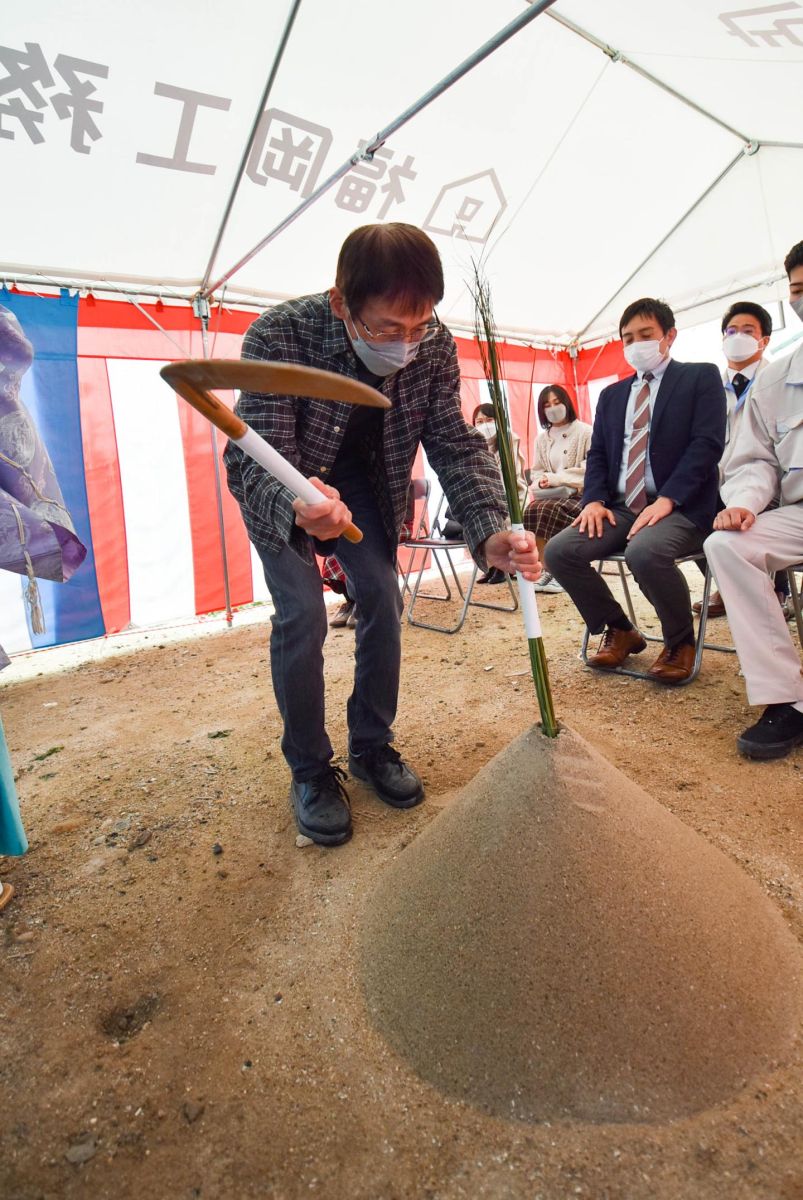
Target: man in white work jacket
749, 544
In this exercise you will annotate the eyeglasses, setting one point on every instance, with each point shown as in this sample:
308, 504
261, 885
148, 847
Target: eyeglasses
422, 333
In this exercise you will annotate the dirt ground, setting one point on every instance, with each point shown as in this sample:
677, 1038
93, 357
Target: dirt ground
181, 1012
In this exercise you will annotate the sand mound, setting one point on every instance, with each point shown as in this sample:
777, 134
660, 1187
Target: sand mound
557, 944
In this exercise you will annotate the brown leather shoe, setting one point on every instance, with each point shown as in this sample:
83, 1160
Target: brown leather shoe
673, 666
716, 606
614, 648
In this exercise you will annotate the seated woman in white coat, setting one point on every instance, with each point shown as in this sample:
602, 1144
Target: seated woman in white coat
558, 471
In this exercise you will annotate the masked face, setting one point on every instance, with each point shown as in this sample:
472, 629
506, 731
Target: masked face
555, 414
646, 342
738, 347
487, 429
385, 359
645, 356
393, 338
797, 307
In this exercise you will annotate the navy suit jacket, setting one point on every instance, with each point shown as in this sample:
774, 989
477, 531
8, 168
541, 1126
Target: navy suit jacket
686, 440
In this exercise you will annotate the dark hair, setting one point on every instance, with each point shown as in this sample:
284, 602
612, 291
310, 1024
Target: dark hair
395, 261
562, 397
793, 259
659, 309
749, 309
487, 410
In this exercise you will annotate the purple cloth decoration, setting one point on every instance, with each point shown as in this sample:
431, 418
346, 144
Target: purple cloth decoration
37, 535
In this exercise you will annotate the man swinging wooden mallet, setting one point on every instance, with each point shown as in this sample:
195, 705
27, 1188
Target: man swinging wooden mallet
376, 326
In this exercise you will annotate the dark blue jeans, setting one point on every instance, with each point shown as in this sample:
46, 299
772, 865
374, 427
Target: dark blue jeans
300, 628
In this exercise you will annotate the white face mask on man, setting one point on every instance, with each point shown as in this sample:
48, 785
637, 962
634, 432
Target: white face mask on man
738, 347
797, 307
645, 356
392, 356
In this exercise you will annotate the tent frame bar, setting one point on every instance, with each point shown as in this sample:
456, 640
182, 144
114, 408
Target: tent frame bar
90, 283
618, 57
524, 337
291, 16
508, 31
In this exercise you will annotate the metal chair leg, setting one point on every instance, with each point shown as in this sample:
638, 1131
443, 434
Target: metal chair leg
466, 597
794, 593
466, 594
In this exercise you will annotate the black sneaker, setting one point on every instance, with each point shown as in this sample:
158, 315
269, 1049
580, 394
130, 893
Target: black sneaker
321, 807
493, 576
392, 780
777, 731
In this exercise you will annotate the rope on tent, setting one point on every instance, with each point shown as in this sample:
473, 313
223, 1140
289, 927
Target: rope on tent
219, 307
618, 57
548, 162
154, 322
593, 364
664, 240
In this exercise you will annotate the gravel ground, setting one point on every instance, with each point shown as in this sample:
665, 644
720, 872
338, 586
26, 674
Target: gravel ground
183, 1011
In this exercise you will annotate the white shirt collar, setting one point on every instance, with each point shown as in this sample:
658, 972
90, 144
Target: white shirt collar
657, 372
747, 371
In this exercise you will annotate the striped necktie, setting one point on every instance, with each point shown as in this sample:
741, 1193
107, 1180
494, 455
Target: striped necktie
635, 486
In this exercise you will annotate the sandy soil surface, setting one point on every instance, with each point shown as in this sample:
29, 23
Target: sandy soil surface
181, 1008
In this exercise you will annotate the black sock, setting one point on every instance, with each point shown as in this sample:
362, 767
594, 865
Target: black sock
621, 623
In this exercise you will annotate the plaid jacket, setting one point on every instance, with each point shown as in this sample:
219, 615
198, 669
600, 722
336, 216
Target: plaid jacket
426, 408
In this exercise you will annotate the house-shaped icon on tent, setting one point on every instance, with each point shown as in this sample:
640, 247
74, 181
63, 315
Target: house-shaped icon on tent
468, 208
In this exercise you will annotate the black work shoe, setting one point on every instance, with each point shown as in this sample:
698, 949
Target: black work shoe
778, 730
493, 576
321, 807
392, 780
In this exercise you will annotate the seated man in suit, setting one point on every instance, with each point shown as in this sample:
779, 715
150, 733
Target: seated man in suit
650, 490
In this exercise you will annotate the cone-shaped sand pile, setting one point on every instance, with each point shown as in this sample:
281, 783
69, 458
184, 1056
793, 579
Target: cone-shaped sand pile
557, 944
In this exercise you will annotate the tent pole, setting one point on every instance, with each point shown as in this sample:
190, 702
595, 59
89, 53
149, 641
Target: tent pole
200, 306
504, 35
781, 145
663, 240
250, 140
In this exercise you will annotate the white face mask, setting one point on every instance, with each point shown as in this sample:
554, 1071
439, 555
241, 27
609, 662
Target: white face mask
555, 415
385, 359
644, 356
738, 347
487, 429
797, 307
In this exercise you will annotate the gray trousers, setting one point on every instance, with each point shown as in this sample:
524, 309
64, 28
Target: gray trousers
650, 556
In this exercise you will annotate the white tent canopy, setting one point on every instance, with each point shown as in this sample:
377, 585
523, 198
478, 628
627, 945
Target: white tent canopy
606, 151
